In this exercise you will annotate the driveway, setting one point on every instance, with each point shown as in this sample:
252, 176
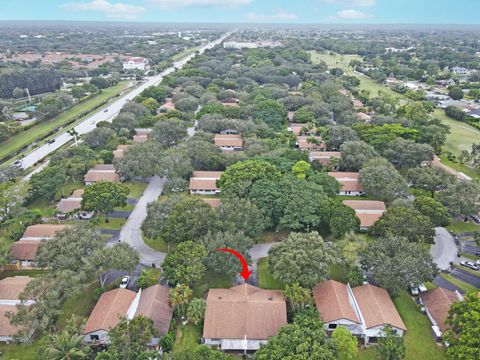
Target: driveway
444, 251
131, 232
259, 251
443, 283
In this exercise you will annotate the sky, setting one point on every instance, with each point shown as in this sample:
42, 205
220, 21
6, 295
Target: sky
248, 11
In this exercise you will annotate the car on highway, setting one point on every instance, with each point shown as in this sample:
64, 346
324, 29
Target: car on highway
124, 282
470, 264
18, 163
51, 141
106, 110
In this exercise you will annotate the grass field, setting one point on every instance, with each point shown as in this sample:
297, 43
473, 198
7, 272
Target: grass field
212, 280
157, 244
185, 53
459, 227
27, 137
136, 189
461, 136
265, 278
80, 305
19, 351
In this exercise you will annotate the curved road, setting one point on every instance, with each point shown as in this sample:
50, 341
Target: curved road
131, 232
114, 108
444, 251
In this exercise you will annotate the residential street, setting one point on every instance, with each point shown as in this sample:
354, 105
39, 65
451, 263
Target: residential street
444, 251
114, 108
466, 277
131, 232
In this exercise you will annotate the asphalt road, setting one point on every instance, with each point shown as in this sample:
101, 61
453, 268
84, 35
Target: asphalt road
444, 250
466, 277
114, 108
469, 247
443, 283
131, 232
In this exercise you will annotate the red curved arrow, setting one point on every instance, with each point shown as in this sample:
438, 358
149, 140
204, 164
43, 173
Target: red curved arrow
245, 272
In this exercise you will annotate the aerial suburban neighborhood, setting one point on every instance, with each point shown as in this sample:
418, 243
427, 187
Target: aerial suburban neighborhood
220, 180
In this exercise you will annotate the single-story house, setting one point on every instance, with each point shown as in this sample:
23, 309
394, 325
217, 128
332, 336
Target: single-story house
120, 152
335, 304
232, 142
311, 143
296, 128
7, 330
364, 117
349, 183
437, 304
324, 157
25, 250
113, 305
10, 290
357, 104
140, 139
243, 317
368, 211
168, 106
41, 231
205, 182
71, 207
363, 310
101, 172
215, 203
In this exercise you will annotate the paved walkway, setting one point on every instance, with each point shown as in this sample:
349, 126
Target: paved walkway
131, 232
444, 251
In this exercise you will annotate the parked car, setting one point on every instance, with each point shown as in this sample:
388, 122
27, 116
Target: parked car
414, 290
18, 163
124, 282
470, 264
477, 253
422, 288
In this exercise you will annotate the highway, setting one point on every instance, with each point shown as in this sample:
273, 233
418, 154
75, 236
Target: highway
114, 108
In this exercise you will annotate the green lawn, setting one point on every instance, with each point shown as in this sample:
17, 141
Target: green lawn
157, 244
27, 137
212, 280
19, 351
112, 224
338, 272
265, 278
31, 273
461, 136
462, 285
273, 236
136, 189
460, 227
418, 340
466, 269
81, 305
187, 337
184, 53
367, 354
470, 256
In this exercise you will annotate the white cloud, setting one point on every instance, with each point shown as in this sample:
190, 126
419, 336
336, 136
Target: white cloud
198, 3
359, 3
111, 10
277, 15
351, 14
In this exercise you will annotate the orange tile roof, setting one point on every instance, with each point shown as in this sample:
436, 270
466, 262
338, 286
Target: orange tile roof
376, 307
228, 140
348, 180
244, 311
25, 249
331, 299
44, 231
438, 302
303, 142
368, 211
205, 180
12, 287
324, 156
154, 304
109, 309
7, 329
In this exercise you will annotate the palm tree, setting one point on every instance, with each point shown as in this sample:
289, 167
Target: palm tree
179, 297
297, 296
66, 346
196, 310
